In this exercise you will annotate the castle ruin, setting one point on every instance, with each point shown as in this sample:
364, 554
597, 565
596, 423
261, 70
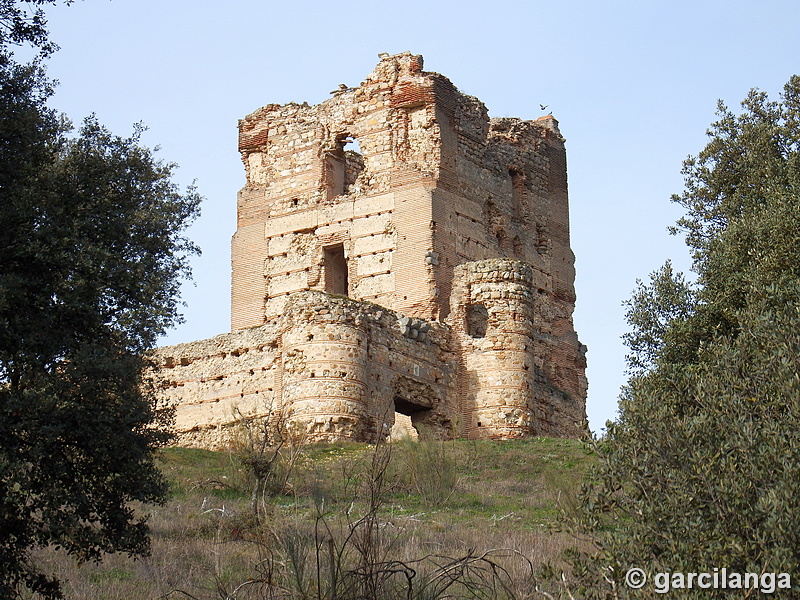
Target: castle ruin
398, 255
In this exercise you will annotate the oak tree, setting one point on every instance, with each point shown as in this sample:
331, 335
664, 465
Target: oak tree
701, 468
92, 252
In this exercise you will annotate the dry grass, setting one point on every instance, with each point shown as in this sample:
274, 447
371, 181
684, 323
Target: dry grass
351, 517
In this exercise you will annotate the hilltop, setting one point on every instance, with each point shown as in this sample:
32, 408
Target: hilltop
466, 508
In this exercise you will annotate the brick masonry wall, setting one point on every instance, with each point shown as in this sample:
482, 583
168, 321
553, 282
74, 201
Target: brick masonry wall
330, 366
215, 383
453, 228
310, 192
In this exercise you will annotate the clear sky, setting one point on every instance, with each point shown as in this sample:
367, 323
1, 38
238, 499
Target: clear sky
633, 83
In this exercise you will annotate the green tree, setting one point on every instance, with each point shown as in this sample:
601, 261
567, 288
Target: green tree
92, 252
22, 23
701, 468
653, 311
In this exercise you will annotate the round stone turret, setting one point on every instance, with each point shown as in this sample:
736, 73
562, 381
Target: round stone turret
495, 310
325, 371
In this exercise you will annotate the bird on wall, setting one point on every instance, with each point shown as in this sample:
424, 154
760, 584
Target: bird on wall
343, 87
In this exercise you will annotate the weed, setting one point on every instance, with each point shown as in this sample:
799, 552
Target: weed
431, 468
351, 524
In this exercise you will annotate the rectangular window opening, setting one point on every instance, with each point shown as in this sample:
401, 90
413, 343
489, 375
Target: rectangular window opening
335, 270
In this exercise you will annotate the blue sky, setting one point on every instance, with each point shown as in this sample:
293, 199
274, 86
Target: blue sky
634, 85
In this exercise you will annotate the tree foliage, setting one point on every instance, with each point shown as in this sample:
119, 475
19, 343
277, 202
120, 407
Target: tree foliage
700, 471
653, 311
91, 255
26, 23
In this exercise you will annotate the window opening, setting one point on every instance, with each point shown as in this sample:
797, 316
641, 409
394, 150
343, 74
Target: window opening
344, 164
334, 163
477, 320
353, 164
335, 265
351, 145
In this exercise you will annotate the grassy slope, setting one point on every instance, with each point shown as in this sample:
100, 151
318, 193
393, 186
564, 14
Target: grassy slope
437, 498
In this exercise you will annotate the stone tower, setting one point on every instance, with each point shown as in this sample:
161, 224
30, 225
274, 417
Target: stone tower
397, 252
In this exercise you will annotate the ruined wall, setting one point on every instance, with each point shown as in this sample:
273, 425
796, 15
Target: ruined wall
396, 252
215, 383
332, 367
339, 369
353, 172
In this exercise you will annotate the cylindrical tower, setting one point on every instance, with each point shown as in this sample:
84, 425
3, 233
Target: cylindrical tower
324, 353
494, 321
